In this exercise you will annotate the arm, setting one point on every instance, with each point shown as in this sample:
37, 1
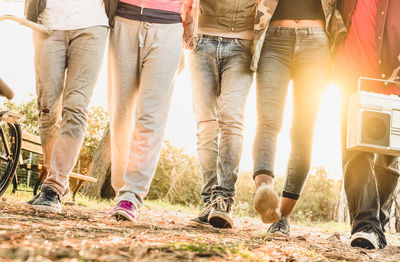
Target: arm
188, 19
396, 73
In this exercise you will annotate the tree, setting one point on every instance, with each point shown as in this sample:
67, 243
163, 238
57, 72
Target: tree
100, 168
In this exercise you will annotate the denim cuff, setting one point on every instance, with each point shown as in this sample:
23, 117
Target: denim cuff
263, 172
290, 195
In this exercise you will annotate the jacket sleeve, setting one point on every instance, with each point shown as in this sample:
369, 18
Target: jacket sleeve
33, 8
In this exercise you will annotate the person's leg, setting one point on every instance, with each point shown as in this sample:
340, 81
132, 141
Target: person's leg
84, 57
311, 55
234, 61
387, 176
205, 92
360, 185
50, 58
159, 56
123, 82
50, 64
272, 80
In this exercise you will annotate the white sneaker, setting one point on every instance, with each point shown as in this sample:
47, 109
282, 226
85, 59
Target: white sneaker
266, 204
368, 240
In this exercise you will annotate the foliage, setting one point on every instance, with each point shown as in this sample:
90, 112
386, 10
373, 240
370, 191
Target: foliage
177, 178
29, 111
96, 124
97, 121
319, 197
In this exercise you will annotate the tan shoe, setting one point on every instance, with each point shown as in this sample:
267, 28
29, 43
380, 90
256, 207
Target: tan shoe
266, 204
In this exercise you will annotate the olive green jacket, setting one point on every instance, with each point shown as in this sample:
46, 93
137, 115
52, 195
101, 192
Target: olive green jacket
334, 26
34, 7
227, 15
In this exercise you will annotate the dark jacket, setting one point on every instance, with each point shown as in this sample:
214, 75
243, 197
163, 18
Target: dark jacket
387, 32
34, 7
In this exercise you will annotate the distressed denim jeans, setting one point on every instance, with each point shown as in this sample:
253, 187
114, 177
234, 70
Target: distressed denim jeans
221, 80
302, 55
142, 62
67, 64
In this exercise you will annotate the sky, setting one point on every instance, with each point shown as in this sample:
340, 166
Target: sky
16, 68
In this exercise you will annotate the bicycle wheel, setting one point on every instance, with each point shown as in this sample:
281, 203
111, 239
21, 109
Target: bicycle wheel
10, 148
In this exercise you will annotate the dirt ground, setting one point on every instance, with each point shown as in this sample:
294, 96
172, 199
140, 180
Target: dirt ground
161, 234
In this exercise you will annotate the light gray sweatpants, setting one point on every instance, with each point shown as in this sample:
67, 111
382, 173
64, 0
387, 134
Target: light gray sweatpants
67, 64
143, 59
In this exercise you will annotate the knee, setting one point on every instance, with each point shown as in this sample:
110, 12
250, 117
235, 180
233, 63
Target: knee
49, 118
74, 121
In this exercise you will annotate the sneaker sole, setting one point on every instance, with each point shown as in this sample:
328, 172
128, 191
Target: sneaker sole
46, 208
122, 216
363, 243
220, 220
198, 222
278, 234
266, 204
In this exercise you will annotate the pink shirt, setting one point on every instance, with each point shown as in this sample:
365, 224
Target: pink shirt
166, 5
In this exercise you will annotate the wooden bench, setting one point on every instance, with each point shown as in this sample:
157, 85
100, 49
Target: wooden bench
31, 143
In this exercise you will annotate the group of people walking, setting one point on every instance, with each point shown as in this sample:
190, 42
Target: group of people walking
229, 41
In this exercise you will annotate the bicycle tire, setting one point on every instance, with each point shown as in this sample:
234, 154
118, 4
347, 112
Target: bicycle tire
11, 136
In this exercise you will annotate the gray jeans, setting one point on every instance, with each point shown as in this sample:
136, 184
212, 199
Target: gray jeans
67, 65
221, 79
302, 55
143, 59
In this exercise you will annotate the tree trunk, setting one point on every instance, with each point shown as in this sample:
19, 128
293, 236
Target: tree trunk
100, 168
342, 213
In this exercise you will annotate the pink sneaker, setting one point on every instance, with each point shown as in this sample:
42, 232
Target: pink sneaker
124, 210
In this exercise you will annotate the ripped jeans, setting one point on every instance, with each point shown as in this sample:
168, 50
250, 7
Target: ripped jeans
67, 64
221, 80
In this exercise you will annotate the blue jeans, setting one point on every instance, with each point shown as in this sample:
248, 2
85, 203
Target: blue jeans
302, 55
221, 79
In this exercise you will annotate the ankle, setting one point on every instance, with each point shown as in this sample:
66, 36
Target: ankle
263, 179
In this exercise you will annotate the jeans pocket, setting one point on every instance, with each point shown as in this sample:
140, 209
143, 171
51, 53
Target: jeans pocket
243, 43
198, 42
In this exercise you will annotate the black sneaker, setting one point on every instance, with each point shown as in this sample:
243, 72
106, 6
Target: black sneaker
220, 216
280, 227
64, 196
48, 201
202, 217
30, 202
367, 240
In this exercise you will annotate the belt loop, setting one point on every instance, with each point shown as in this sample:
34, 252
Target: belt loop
278, 31
141, 38
308, 30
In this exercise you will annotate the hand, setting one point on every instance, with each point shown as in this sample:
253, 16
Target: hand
188, 24
396, 73
186, 8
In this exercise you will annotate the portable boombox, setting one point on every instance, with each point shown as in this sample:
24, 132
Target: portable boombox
374, 119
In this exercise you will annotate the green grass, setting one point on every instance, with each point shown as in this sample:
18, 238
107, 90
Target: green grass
173, 207
329, 227
217, 248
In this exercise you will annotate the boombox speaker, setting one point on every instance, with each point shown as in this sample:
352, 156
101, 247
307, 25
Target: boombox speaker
374, 120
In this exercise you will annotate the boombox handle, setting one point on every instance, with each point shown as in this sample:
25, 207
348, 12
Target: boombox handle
385, 82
